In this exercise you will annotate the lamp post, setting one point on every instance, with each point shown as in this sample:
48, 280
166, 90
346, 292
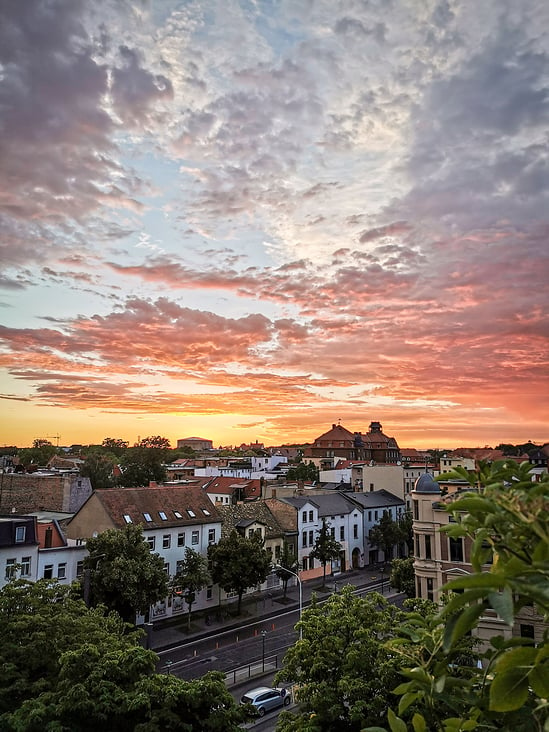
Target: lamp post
382, 570
263, 634
278, 566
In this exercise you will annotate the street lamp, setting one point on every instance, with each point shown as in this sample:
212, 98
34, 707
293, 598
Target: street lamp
278, 566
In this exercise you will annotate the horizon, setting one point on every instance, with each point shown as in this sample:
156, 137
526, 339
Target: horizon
252, 219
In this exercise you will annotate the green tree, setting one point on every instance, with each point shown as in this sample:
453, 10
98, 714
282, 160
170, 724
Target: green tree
122, 572
65, 667
115, 445
192, 576
385, 534
405, 525
39, 454
141, 465
98, 467
343, 674
325, 548
403, 577
303, 471
506, 519
238, 562
286, 561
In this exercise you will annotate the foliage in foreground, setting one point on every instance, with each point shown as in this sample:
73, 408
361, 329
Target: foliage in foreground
506, 516
69, 669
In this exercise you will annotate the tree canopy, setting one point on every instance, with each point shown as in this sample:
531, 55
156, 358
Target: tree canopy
325, 548
303, 471
122, 572
239, 562
402, 576
192, 576
140, 465
286, 561
343, 673
386, 534
506, 518
67, 668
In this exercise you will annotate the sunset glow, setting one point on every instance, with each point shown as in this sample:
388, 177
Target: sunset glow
249, 220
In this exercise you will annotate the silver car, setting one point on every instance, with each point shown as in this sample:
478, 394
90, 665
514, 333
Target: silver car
265, 699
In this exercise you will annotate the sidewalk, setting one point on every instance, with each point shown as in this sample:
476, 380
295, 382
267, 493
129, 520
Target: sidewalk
260, 606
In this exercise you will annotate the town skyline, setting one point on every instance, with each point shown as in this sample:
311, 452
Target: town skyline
249, 220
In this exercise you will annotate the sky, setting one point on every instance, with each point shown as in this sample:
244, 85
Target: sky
248, 220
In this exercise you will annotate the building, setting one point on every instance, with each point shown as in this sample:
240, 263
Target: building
226, 491
43, 491
373, 506
439, 558
339, 442
172, 518
196, 443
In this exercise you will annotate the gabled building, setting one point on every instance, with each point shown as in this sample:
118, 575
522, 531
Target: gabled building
340, 443
373, 506
171, 517
227, 491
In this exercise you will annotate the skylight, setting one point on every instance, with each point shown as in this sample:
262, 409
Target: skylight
127, 518
177, 514
206, 512
191, 513
147, 516
162, 515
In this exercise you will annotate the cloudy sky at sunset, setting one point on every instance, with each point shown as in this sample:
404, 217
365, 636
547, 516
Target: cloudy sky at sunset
242, 219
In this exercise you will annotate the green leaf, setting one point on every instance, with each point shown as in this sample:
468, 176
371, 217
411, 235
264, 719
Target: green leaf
418, 723
406, 700
395, 723
488, 580
508, 690
502, 602
460, 624
539, 681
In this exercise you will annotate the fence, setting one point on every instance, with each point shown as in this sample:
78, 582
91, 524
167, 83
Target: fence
257, 668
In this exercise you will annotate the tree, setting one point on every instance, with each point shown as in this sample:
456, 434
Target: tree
403, 577
385, 534
405, 524
123, 573
342, 673
325, 548
506, 519
192, 576
115, 445
303, 471
98, 468
238, 562
65, 667
141, 465
39, 454
286, 561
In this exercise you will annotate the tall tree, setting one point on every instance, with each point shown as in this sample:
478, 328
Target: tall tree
65, 667
403, 577
238, 562
326, 548
122, 572
141, 465
191, 577
385, 534
343, 675
98, 467
405, 531
287, 564
505, 517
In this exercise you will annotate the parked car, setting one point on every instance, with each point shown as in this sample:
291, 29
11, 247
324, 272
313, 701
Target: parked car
265, 699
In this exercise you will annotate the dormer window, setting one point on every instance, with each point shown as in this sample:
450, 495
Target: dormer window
162, 515
147, 517
20, 533
127, 518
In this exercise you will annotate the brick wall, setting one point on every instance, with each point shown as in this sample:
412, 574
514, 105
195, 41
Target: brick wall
32, 492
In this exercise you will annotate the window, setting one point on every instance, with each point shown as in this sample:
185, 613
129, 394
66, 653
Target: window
277, 551
417, 552
167, 568
456, 549
191, 513
127, 518
10, 568
80, 568
206, 512
369, 515
179, 566
48, 571
163, 515
305, 562
195, 537
304, 539
375, 515
209, 592
371, 487
62, 570
20, 533
332, 532
355, 531
177, 514
304, 517
181, 539
526, 631
311, 519
25, 566
211, 536
311, 538
342, 533
166, 541
151, 541
430, 588
416, 510
427, 546
147, 517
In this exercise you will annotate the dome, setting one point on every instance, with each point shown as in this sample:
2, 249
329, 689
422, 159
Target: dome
426, 484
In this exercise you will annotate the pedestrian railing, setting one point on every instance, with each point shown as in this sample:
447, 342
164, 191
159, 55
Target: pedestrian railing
256, 668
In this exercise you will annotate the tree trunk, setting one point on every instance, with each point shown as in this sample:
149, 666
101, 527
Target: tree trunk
324, 575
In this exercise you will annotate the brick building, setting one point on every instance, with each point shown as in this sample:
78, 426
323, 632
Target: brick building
28, 492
